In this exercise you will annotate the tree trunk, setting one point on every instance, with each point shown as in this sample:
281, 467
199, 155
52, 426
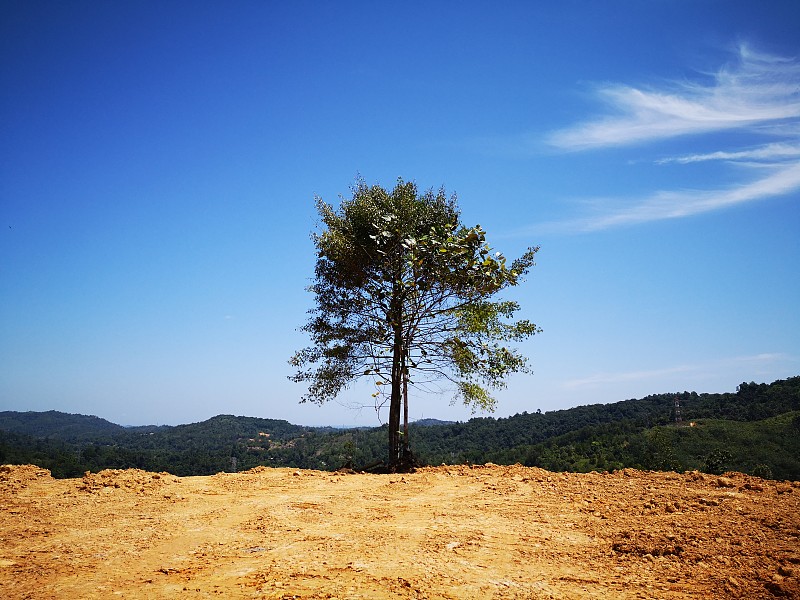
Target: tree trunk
395, 401
405, 404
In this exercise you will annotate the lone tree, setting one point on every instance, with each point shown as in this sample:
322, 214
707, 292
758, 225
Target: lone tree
404, 295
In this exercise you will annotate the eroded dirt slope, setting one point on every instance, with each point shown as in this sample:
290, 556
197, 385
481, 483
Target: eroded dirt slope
445, 532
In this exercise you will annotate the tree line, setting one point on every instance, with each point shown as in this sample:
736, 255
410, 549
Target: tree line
754, 430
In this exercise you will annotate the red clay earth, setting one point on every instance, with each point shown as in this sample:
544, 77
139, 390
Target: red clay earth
444, 532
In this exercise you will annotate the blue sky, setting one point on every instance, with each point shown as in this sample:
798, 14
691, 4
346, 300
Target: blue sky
159, 163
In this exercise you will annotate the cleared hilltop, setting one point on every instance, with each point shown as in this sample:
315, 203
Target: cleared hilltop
440, 533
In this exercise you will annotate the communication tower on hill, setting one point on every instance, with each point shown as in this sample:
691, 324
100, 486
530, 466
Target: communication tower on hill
678, 419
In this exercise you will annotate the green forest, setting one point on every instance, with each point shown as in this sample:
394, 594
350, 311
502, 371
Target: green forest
755, 430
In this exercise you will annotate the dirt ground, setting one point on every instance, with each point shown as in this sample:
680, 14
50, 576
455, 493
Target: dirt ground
445, 532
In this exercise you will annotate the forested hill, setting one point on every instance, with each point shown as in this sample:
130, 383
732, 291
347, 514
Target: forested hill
751, 402
756, 430
70, 427
59, 425
70, 444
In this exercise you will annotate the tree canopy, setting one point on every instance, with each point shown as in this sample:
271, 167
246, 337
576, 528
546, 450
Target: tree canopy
405, 295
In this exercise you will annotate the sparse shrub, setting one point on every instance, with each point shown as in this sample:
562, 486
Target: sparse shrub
716, 462
762, 471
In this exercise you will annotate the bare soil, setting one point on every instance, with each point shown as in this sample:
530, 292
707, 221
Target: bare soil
445, 532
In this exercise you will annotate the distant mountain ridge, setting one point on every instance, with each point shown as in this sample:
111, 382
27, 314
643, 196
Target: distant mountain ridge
71, 427
755, 430
432, 422
52, 423
77, 427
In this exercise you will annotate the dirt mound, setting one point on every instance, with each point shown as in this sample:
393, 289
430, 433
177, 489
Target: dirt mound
131, 480
17, 476
441, 533
257, 470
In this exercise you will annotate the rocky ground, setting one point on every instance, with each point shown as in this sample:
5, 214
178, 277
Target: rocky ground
444, 532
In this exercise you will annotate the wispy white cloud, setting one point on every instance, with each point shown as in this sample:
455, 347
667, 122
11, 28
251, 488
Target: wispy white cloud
764, 357
758, 93
768, 152
606, 213
759, 89
675, 204
622, 377
768, 363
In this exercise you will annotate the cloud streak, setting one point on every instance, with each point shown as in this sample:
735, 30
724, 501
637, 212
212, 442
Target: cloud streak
774, 360
769, 152
612, 378
759, 89
759, 94
672, 205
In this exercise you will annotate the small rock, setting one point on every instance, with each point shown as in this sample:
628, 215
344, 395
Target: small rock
725, 482
785, 571
776, 589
